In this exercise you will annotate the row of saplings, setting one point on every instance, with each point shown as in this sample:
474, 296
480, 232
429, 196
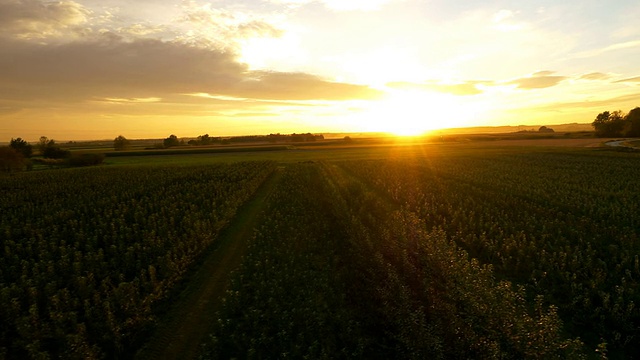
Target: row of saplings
19, 156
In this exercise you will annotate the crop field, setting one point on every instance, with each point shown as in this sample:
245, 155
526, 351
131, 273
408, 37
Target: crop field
406, 252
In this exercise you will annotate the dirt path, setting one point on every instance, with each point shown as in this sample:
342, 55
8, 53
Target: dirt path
190, 318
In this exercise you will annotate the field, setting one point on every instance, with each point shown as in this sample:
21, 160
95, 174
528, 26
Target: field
469, 249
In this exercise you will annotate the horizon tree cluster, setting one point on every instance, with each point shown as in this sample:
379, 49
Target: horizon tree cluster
617, 123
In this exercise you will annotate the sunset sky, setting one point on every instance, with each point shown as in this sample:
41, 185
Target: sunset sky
95, 69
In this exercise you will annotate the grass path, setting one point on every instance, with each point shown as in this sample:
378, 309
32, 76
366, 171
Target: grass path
191, 316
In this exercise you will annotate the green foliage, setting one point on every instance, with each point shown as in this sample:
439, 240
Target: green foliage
87, 254
342, 272
633, 123
614, 124
172, 140
204, 139
50, 150
121, 143
89, 159
562, 225
21, 146
287, 299
55, 152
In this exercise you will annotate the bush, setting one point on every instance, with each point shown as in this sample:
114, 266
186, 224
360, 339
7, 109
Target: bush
21, 146
55, 152
85, 159
11, 160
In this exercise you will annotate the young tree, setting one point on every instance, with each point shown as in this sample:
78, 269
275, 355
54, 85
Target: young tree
22, 147
121, 143
49, 149
43, 143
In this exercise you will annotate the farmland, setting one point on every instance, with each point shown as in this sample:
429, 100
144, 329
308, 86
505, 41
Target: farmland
397, 251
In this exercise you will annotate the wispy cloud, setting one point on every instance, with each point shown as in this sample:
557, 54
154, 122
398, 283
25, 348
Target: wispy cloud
132, 100
629, 80
595, 76
611, 103
606, 49
539, 80
339, 5
461, 89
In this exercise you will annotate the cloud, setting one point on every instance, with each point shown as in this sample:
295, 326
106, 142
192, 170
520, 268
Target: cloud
612, 103
33, 19
461, 89
140, 30
629, 80
110, 67
355, 5
539, 80
613, 47
338, 5
595, 76
131, 100
502, 15
543, 73
299, 86
223, 25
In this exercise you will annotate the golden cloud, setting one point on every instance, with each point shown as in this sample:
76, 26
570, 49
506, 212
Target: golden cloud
33, 19
110, 67
539, 80
460, 89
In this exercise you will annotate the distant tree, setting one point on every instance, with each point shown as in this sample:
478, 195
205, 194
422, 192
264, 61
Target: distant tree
11, 160
43, 143
609, 124
22, 147
204, 139
121, 143
632, 126
172, 140
49, 149
544, 129
347, 138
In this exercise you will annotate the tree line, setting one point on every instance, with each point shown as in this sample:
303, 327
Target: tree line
617, 123
18, 155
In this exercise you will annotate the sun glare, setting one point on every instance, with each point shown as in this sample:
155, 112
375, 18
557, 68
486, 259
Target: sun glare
412, 113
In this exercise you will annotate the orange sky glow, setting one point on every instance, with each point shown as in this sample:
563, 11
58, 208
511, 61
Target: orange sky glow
96, 69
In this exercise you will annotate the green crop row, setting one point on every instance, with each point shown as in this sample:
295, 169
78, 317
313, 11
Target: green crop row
88, 253
563, 225
338, 271
288, 300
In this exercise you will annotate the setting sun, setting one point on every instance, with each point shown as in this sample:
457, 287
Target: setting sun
414, 112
